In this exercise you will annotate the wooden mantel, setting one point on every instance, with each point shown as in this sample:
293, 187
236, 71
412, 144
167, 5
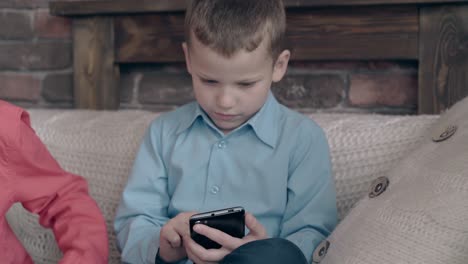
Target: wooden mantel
113, 7
107, 33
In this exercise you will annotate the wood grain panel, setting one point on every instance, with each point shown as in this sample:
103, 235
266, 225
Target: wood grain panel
318, 34
443, 67
149, 38
322, 3
354, 33
94, 7
96, 76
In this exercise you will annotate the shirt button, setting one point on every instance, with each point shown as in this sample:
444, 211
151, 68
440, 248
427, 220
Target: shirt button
214, 189
222, 144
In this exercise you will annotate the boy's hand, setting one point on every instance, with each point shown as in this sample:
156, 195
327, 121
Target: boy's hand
200, 255
171, 247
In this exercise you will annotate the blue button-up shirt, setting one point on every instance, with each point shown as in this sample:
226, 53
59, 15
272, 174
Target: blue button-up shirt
276, 166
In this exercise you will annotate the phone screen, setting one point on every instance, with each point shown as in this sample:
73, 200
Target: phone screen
229, 220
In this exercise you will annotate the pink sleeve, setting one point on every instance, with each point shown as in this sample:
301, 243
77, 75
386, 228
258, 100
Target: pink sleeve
60, 198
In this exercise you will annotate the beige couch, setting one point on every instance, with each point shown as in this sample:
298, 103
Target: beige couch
101, 146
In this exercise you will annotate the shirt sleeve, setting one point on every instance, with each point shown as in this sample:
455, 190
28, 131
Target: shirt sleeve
311, 212
60, 199
143, 209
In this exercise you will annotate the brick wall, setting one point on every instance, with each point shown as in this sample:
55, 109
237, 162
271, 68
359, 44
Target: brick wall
36, 71
35, 55
380, 87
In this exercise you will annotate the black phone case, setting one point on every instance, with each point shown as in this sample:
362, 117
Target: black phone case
230, 223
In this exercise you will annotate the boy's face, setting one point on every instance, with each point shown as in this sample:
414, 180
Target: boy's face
231, 90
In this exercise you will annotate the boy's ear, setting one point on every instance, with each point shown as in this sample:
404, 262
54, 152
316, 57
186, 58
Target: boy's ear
281, 65
187, 57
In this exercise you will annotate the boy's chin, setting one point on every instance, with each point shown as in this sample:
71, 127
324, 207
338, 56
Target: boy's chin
226, 128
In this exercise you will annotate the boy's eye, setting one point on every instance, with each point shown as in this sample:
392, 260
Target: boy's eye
210, 82
246, 84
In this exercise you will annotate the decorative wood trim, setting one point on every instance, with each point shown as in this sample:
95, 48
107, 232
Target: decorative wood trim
95, 7
443, 64
365, 33
353, 33
96, 77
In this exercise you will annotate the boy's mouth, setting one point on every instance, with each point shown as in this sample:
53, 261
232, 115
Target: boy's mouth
224, 117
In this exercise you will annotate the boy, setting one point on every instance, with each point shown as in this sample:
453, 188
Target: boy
30, 175
235, 146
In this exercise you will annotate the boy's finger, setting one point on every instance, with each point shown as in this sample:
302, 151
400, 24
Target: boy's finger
218, 236
175, 241
172, 237
255, 227
181, 224
202, 254
182, 229
191, 247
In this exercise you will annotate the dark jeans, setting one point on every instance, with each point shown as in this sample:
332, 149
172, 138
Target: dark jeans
271, 251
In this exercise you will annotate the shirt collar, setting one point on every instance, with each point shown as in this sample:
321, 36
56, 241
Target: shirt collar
193, 113
264, 122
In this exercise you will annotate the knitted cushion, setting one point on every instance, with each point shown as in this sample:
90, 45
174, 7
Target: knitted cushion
101, 146
364, 147
422, 216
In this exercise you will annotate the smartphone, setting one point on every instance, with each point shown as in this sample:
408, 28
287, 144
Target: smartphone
229, 220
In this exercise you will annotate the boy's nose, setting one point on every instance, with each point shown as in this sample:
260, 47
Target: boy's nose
225, 100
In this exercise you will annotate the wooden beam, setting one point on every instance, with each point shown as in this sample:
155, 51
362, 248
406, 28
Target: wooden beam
95, 7
326, 3
102, 7
443, 65
96, 77
353, 33
149, 38
356, 33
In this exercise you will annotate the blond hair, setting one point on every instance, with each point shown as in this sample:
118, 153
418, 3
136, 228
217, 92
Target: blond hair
228, 26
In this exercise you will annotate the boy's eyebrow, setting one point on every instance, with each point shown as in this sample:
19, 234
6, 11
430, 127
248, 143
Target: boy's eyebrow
253, 78
250, 80
205, 77
246, 80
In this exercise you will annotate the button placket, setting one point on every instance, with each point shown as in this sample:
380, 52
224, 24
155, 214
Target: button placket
222, 144
214, 189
